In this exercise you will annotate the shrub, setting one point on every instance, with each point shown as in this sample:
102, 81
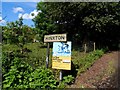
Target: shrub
19, 74
42, 78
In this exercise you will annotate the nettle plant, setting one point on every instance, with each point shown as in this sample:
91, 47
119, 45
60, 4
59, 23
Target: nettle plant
19, 74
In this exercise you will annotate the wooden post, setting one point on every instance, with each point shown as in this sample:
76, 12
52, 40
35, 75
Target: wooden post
94, 46
47, 55
85, 48
60, 75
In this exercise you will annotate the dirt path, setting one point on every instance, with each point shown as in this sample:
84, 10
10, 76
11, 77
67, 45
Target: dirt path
103, 73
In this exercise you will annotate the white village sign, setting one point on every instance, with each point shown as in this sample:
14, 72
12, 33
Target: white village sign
55, 38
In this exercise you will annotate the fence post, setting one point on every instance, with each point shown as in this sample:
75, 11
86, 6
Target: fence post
85, 49
94, 46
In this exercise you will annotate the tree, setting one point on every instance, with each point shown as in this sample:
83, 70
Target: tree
44, 25
85, 21
17, 33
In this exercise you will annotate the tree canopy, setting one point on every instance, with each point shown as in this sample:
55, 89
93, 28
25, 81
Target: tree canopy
43, 23
82, 21
17, 33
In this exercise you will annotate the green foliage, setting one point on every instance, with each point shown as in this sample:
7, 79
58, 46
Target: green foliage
34, 54
37, 55
97, 22
19, 74
62, 85
17, 33
87, 61
9, 59
44, 25
91, 18
66, 81
42, 78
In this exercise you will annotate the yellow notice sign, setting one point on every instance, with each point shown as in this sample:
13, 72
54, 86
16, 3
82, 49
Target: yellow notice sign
61, 58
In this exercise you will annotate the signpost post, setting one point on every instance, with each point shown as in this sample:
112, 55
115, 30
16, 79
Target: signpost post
61, 52
60, 75
47, 55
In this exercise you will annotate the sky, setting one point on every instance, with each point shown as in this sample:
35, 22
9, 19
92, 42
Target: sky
12, 11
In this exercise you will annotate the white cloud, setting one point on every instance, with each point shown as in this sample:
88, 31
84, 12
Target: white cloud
0, 18
20, 15
18, 9
2, 22
24, 16
29, 15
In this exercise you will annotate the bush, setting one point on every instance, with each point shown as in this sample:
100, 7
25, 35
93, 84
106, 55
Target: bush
10, 58
19, 74
42, 78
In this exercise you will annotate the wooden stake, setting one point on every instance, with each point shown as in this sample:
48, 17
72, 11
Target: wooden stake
85, 48
94, 46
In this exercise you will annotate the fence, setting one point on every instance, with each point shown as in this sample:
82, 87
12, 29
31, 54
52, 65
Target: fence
86, 47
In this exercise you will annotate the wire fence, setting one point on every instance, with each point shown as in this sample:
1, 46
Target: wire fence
86, 47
